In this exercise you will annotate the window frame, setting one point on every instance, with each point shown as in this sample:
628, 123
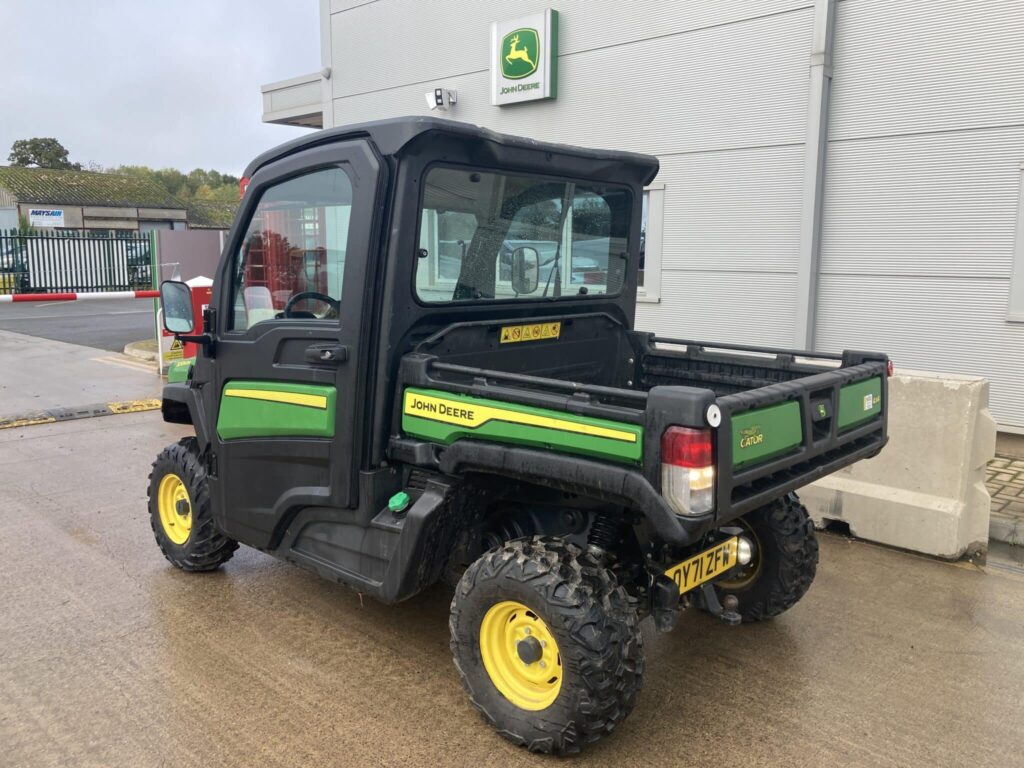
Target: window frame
650, 291
421, 196
1015, 305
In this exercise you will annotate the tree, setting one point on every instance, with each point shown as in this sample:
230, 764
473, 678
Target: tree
198, 184
41, 153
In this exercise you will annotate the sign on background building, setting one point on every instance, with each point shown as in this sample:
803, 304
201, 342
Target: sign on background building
524, 58
45, 217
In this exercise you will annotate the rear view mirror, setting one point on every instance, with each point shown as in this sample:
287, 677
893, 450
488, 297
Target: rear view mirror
525, 270
176, 299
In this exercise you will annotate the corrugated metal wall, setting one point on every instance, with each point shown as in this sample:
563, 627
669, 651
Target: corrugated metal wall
926, 134
926, 137
716, 89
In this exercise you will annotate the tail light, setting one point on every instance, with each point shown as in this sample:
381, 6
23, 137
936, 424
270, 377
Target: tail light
243, 184
889, 369
688, 470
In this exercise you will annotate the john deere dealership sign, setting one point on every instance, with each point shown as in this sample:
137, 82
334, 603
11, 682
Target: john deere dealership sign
524, 58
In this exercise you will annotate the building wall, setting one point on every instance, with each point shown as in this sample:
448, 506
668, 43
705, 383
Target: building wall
926, 133
106, 217
922, 181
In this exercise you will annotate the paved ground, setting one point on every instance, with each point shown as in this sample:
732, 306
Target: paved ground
110, 657
1006, 486
38, 374
108, 324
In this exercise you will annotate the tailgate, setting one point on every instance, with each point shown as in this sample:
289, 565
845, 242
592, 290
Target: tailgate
782, 436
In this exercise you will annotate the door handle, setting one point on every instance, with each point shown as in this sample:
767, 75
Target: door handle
327, 353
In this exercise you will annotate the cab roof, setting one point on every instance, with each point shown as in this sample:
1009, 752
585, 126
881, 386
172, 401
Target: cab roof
393, 135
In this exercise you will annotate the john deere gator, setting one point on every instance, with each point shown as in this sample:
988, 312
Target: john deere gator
419, 364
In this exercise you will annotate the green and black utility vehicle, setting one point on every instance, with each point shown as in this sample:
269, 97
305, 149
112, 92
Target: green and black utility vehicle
419, 363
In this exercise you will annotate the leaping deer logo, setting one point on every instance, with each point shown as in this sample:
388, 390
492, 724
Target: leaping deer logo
517, 54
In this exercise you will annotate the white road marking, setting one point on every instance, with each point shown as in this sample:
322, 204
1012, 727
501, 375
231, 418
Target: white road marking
126, 362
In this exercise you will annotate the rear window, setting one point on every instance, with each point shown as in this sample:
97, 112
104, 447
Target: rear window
473, 223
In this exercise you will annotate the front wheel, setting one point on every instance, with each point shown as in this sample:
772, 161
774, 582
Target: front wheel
784, 563
180, 512
547, 644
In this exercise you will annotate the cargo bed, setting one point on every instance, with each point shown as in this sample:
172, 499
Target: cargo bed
787, 417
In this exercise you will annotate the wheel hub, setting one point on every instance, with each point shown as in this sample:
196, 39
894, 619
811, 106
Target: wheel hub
529, 650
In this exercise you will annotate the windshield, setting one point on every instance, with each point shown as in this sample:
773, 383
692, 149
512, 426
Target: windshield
478, 228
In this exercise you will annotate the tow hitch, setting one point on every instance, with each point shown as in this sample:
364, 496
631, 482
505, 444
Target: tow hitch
724, 610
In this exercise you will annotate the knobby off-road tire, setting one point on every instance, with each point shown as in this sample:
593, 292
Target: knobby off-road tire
205, 548
594, 627
786, 560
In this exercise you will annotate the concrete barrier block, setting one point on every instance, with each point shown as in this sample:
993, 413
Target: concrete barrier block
926, 491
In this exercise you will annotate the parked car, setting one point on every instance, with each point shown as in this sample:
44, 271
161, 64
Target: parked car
13, 266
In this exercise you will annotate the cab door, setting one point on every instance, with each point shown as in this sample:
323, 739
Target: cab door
289, 310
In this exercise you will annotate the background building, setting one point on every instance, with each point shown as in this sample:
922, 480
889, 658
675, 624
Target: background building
834, 173
211, 214
82, 200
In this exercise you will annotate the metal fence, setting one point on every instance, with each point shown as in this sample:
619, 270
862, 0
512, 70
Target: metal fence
73, 261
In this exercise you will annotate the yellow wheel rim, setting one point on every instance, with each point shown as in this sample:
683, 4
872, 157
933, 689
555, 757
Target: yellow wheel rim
521, 656
175, 508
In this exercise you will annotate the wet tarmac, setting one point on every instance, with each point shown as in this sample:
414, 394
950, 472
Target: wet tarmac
111, 657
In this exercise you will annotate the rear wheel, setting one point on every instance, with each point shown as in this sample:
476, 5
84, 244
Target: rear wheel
547, 644
784, 563
180, 513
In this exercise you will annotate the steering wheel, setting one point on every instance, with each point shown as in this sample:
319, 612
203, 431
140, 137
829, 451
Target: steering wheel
304, 295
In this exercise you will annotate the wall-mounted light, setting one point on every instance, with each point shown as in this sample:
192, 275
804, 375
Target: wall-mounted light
441, 98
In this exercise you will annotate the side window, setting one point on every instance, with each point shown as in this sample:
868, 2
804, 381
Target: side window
291, 264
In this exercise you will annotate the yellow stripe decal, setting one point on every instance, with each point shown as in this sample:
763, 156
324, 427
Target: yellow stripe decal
290, 398
468, 414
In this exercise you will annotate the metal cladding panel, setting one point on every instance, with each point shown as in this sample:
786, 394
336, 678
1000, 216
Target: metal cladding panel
722, 87
447, 38
906, 67
733, 211
738, 308
926, 134
928, 204
931, 323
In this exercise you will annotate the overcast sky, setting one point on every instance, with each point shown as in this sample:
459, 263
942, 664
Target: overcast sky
151, 82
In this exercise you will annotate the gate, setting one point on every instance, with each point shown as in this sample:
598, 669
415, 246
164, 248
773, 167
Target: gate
69, 261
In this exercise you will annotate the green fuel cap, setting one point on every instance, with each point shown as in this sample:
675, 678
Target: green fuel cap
399, 501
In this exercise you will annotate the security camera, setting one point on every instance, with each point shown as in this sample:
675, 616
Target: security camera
441, 98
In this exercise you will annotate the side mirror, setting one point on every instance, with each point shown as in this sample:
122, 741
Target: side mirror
176, 298
525, 269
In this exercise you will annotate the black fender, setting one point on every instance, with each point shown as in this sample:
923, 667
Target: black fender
181, 405
621, 485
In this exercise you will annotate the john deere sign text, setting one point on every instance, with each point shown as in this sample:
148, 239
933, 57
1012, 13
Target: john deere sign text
524, 58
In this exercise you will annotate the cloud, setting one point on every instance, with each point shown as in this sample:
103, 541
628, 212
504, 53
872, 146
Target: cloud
164, 84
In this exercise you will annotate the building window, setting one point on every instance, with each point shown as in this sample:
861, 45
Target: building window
649, 280
1016, 308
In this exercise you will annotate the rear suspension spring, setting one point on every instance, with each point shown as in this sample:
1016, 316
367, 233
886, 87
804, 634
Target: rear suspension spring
604, 531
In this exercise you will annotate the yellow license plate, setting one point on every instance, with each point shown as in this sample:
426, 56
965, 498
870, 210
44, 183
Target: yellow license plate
705, 566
